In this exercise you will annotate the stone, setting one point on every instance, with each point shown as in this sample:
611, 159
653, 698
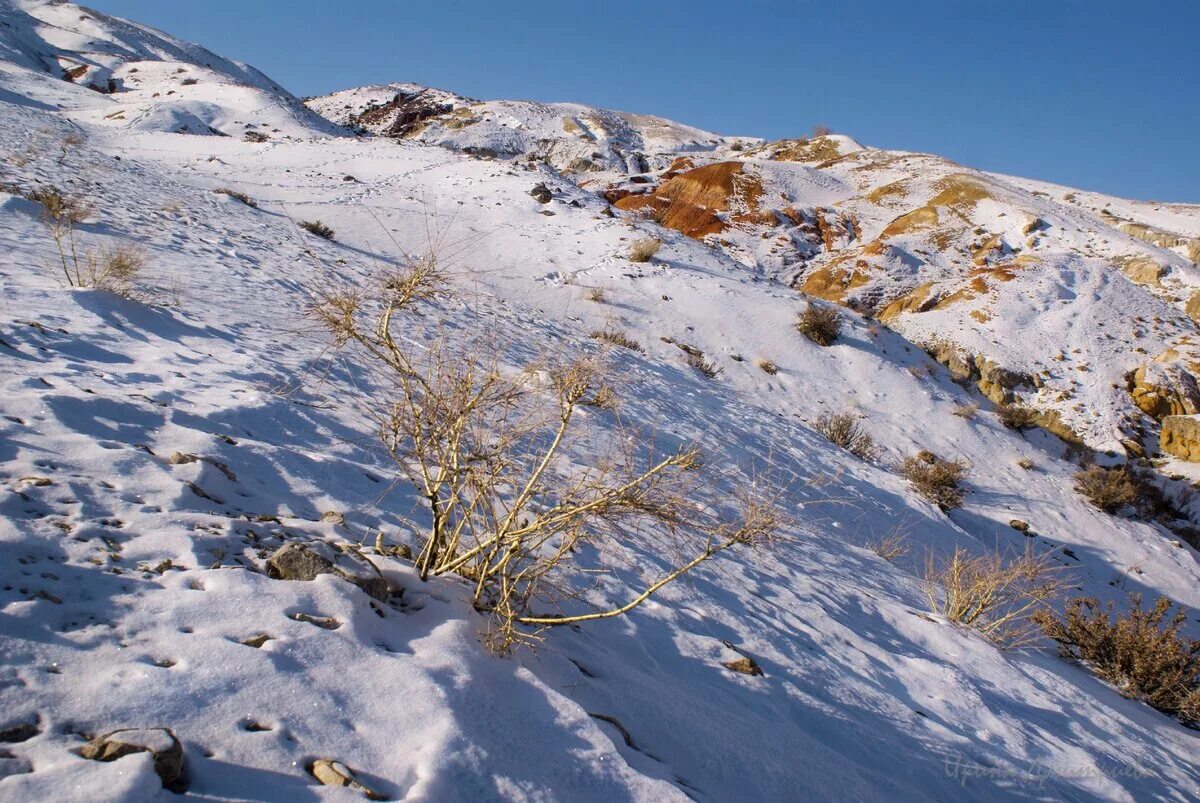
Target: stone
160, 743
541, 193
1180, 436
333, 517
335, 773
306, 561
1019, 526
745, 665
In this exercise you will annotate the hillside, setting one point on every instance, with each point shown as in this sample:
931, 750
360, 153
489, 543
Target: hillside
156, 451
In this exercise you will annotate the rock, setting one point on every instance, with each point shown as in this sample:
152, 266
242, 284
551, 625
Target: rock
1167, 385
745, 665
1143, 270
256, 641
1180, 437
182, 458
333, 517
335, 773
323, 622
542, 194
1019, 526
36, 482
160, 743
305, 561
1193, 307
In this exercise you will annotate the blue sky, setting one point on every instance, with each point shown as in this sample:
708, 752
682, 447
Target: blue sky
1091, 93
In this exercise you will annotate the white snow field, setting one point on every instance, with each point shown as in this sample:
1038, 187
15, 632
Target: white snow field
131, 572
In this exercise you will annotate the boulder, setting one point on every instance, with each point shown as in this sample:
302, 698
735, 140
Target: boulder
306, 561
1180, 437
541, 193
1165, 386
160, 743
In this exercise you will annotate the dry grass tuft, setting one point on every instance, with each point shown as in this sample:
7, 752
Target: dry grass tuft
596, 294
1142, 653
617, 339
767, 366
967, 410
705, 366
237, 196
996, 597
643, 250
843, 429
891, 547
821, 325
935, 479
317, 228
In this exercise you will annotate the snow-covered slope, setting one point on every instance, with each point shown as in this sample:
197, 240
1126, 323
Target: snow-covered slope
153, 455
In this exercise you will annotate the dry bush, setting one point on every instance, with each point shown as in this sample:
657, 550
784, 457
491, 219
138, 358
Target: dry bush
890, 547
59, 209
967, 410
821, 325
617, 339
514, 482
1141, 653
767, 366
596, 294
843, 429
1109, 489
238, 196
317, 228
644, 249
1017, 416
999, 598
190, 81
705, 366
821, 130
935, 479
256, 136
113, 269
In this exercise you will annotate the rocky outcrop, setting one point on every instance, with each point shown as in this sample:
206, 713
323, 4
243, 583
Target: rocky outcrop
1180, 436
307, 561
1165, 386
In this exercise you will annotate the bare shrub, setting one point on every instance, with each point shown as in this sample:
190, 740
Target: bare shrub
644, 249
843, 429
596, 294
114, 269
190, 81
1142, 653
1109, 489
1017, 416
495, 455
967, 410
256, 136
617, 339
60, 209
996, 597
935, 479
237, 196
317, 228
767, 366
821, 325
821, 130
705, 366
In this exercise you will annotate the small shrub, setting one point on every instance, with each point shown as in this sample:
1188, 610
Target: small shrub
317, 228
843, 429
967, 410
58, 208
237, 196
114, 270
705, 366
767, 367
1017, 416
596, 294
1141, 653
255, 136
821, 130
1108, 489
821, 325
935, 479
190, 81
996, 597
643, 250
617, 339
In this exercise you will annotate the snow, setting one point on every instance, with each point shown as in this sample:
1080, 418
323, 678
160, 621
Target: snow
865, 695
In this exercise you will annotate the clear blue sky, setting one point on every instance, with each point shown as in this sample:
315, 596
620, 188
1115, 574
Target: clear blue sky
1097, 94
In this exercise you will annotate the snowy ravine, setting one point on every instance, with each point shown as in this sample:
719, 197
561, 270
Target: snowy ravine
131, 573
